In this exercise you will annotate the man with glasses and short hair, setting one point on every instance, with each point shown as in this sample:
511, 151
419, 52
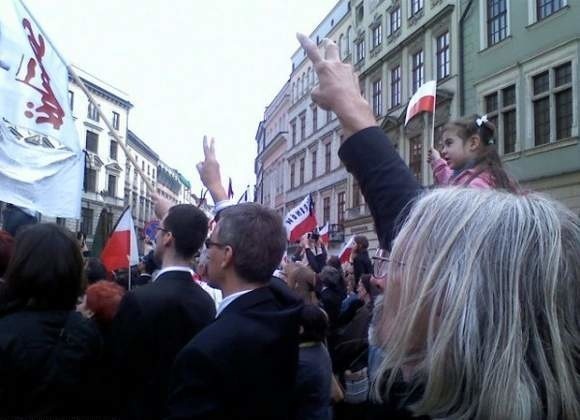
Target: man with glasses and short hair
155, 321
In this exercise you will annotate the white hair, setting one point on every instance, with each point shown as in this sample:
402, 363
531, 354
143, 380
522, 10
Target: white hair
482, 304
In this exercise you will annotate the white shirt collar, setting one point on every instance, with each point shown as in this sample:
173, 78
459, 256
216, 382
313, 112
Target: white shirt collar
227, 300
174, 268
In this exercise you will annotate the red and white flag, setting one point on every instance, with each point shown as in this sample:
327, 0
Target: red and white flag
301, 219
423, 100
323, 231
121, 248
41, 159
346, 250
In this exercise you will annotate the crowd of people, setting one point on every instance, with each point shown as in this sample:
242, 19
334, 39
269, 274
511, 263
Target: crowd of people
468, 309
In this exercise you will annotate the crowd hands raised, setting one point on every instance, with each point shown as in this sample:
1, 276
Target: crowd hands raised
467, 311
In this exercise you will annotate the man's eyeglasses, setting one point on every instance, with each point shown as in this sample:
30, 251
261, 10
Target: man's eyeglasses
381, 263
209, 243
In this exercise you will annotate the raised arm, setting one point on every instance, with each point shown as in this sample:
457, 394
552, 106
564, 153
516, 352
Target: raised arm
385, 180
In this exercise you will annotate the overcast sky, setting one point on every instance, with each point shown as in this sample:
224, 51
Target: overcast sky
190, 67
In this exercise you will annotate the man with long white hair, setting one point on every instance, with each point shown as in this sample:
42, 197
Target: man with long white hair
480, 310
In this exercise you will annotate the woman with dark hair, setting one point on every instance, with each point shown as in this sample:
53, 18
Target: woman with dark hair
46, 347
361, 262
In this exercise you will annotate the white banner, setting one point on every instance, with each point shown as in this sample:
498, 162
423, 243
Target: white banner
45, 176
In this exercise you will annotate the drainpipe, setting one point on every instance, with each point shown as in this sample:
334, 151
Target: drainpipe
461, 60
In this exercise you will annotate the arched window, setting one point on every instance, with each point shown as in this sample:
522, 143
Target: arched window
348, 40
341, 46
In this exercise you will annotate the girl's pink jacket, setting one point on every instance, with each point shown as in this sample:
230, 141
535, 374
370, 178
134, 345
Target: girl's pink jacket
443, 173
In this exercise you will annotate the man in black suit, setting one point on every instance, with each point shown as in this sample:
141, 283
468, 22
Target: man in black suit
242, 366
155, 321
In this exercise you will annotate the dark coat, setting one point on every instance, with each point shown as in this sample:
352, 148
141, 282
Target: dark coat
361, 264
242, 366
153, 324
312, 390
45, 363
386, 182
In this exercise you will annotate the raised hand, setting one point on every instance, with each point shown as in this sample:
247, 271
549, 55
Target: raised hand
338, 88
433, 155
209, 172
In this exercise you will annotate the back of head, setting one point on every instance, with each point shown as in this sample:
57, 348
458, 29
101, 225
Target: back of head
303, 280
334, 261
258, 239
489, 159
484, 303
188, 225
103, 299
46, 268
314, 323
362, 242
6, 245
149, 262
95, 270
330, 277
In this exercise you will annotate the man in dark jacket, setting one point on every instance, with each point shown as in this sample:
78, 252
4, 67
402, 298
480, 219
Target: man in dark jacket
242, 366
155, 321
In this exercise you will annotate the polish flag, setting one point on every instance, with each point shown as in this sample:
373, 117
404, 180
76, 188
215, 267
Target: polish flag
121, 248
346, 250
323, 231
301, 219
423, 100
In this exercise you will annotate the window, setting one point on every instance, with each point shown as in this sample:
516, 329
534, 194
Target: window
113, 150
340, 207
302, 126
93, 114
396, 86
416, 6
552, 101
292, 174
326, 209
496, 21
341, 51
377, 37
348, 40
115, 120
314, 118
90, 180
92, 142
87, 221
500, 108
112, 186
327, 156
328, 116
293, 130
301, 171
71, 99
360, 50
314, 153
360, 13
395, 20
443, 56
418, 70
378, 97
416, 158
356, 194
545, 8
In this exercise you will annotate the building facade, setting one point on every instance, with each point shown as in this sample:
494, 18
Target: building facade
105, 161
314, 137
137, 195
521, 69
271, 138
168, 183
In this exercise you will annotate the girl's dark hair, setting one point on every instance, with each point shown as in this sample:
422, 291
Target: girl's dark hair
46, 268
489, 160
314, 322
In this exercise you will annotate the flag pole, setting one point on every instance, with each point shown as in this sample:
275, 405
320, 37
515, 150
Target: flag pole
433, 125
129, 261
81, 84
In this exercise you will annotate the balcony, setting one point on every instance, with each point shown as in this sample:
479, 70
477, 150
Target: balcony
357, 212
336, 233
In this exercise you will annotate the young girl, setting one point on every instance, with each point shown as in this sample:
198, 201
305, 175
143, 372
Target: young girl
469, 156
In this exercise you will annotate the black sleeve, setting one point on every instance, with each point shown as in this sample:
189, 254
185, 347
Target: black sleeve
194, 391
314, 261
386, 182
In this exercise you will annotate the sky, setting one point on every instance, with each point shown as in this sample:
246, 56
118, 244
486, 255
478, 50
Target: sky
190, 67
